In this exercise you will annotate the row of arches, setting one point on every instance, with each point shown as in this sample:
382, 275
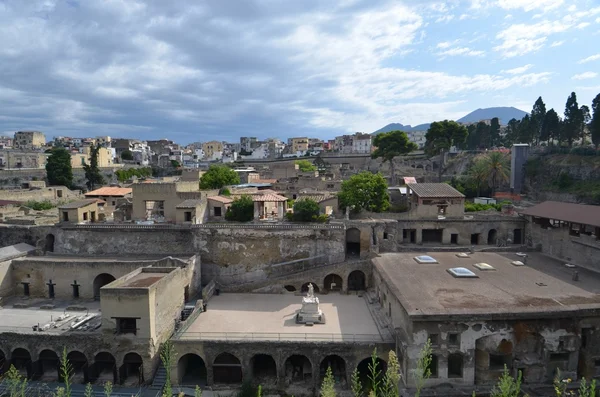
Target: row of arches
103, 368
297, 368
357, 281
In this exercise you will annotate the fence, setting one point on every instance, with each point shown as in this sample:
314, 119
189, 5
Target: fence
278, 336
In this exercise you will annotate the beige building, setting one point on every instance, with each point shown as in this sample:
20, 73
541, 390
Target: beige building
12, 158
29, 140
83, 211
299, 144
112, 196
434, 200
212, 150
105, 157
217, 207
189, 211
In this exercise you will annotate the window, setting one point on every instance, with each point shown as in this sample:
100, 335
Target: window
433, 366
453, 339
85, 216
498, 361
385, 235
187, 216
113, 203
126, 325
455, 365
25, 289
435, 339
65, 216
59, 193
218, 211
75, 289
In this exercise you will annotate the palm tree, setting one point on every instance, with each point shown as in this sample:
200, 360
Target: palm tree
497, 168
479, 175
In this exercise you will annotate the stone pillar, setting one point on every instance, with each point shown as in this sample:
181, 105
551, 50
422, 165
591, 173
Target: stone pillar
210, 377
256, 210
419, 236
280, 210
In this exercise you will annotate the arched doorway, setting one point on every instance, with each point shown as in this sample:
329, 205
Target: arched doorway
333, 282
49, 366
227, 369
364, 371
264, 369
191, 370
2, 362
49, 244
132, 370
21, 359
305, 287
79, 366
492, 237
352, 242
298, 369
100, 281
357, 281
290, 288
105, 368
338, 368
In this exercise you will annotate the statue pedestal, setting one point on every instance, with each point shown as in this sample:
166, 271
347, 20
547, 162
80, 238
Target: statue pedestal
310, 312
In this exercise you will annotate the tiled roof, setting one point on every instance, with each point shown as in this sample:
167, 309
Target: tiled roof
221, 199
567, 212
269, 197
435, 190
410, 179
191, 203
81, 204
109, 191
316, 197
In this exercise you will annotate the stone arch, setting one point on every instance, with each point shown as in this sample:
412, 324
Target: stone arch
2, 362
290, 288
264, 369
364, 372
105, 368
352, 242
298, 369
49, 243
21, 359
357, 281
100, 281
227, 369
305, 287
79, 366
48, 366
492, 237
333, 282
191, 370
338, 367
455, 365
132, 370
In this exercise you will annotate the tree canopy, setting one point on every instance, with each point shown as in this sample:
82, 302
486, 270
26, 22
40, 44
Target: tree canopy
92, 172
128, 173
442, 135
364, 191
58, 168
305, 210
573, 119
496, 168
127, 155
218, 176
595, 123
306, 166
241, 209
392, 144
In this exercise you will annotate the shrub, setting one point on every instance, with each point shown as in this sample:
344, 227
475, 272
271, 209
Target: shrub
584, 151
475, 207
225, 192
306, 166
320, 218
241, 210
305, 210
39, 205
564, 180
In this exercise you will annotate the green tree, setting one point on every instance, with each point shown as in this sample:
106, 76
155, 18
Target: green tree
423, 370
496, 168
551, 127
66, 372
328, 385
538, 114
526, 130
167, 355
218, 176
305, 210
355, 384
127, 155
512, 132
495, 132
392, 144
483, 134
241, 209
364, 191
478, 174
507, 386
595, 123
573, 119
175, 164
306, 166
441, 136
58, 168
585, 120
92, 172
471, 141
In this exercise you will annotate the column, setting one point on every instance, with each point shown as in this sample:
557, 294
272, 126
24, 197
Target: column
256, 210
280, 210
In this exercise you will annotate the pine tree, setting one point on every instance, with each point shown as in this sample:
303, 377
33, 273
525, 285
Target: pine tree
538, 114
58, 168
573, 120
495, 132
595, 123
551, 127
92, 172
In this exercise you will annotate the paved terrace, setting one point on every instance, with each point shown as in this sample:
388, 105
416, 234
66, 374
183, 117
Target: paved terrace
543, 287
21, 315
269, 317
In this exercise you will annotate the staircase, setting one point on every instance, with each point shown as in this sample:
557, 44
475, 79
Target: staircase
186, 312
160, 378
381, 319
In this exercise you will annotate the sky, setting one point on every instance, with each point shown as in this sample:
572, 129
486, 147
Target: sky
217, 69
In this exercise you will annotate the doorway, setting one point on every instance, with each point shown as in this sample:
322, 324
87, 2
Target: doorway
454, 238
352, 243
475, 238
517, 236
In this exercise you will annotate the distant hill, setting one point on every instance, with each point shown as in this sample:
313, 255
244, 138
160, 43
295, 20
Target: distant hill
505, 114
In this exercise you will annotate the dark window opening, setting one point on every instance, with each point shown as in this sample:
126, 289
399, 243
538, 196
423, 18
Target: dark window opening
290, 288
51, 289
85, 216
475, 238
434, 339
218, 211
75, 289
455, 366
559, 357
586, 334
453, 339
597, 362
433, 366
385, 235
65, 216
432, 235
454, 238
59, 193
188, 216
25, 289
126, 326
518, 236
498, 361
404, 233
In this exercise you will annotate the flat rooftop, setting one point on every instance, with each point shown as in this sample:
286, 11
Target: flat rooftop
142, 280
103, 258
272, 317
543, 286
21, 315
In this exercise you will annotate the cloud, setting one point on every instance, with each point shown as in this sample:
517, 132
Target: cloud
585, 76
528, 5
461, 51
519, 70
557, 43
520, 39
590, 59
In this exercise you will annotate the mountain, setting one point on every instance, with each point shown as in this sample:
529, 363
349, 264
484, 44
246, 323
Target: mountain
505, 114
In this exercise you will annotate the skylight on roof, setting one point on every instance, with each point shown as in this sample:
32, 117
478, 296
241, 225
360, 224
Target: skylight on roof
425, 259
484, 266
517, 263
462, 272
462, 255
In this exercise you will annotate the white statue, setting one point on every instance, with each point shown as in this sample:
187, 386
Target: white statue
311, 291
310, 313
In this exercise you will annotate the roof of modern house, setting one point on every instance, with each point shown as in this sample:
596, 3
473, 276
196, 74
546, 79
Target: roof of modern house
434, 190
269, 197
110, 191
221, 199
81, 204
567, 212
190, 203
